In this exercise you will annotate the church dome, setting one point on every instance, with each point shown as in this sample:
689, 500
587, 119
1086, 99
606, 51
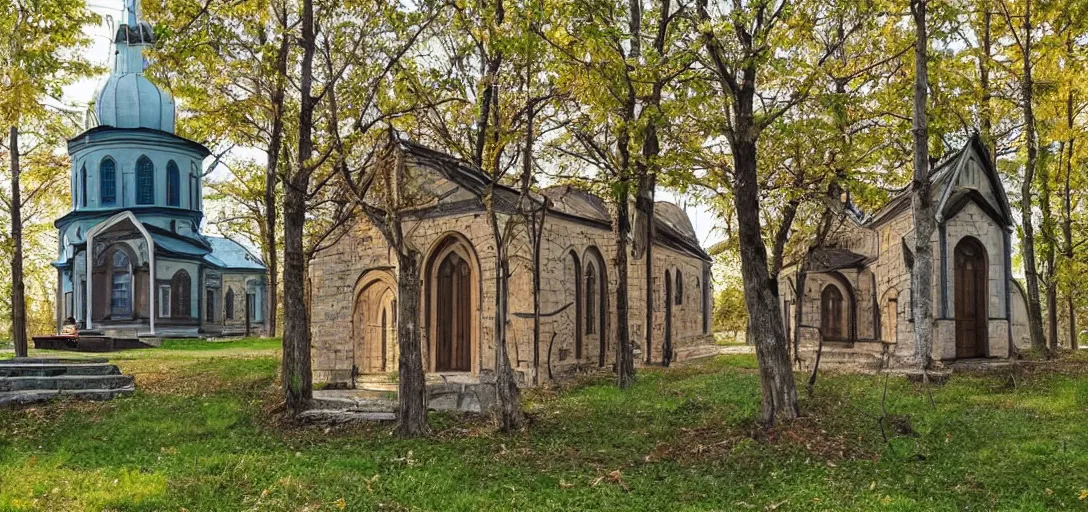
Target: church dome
127, 99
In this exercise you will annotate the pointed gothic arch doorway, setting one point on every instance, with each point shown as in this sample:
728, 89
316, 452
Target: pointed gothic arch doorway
971, 297
453, 291
374, 323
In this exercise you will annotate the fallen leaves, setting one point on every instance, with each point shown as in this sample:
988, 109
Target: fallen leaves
614, 477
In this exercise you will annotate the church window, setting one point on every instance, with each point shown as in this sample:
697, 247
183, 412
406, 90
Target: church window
83, 185
164, 301
107, 177
229, 301
831, 313
173, 184
209, 305
579, 308
145, 181
679, 288
180, 286
706, 299
591, 297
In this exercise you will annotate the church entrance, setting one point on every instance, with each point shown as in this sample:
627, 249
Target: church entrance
374, 327
970, 297
453, 349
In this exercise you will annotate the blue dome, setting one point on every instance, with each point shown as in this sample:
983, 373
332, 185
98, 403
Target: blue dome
127, 99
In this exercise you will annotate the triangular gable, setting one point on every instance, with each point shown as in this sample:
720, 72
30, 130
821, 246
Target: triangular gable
973, 155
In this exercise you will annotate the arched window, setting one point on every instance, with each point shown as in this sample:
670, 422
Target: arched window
229, 303
579, 308
591, 297
679, 288
173, 184
107, 181
706, 290
145, 181
83, 185
181, 299
121, 286
831, 319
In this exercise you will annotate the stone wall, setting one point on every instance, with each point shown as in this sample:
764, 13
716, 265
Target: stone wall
335, 276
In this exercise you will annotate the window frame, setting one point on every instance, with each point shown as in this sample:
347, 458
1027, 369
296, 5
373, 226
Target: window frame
145, 181
111, 200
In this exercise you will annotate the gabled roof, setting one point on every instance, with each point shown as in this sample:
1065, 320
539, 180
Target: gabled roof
824, 259
670, 221
942, 181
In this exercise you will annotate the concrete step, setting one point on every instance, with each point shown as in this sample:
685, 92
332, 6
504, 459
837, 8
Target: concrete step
66, 383
53, 360
57, 369
359, 404
13, 398
332, 417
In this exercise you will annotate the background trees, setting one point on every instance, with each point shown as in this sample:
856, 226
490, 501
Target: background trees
769, 113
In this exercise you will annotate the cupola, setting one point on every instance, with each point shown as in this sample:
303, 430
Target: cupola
127, 99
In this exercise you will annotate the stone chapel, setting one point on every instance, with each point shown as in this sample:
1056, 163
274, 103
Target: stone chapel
353, 284
857, 289
132, 261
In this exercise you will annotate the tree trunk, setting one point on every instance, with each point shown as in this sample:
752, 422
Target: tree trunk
297, 377
799, 312
921, 200
18, 297
778, 387
506, 387
275, 144
1027, 244
1050, 271
1067, 217
411, 383
986, 108
625, 357
534, 224
644, 203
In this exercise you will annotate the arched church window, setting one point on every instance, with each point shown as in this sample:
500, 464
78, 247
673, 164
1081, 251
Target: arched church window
831, 324
229, 303
83, 185
145, 181
107, 181
579, 308
173, 184
181, 299
591, 297
679, 288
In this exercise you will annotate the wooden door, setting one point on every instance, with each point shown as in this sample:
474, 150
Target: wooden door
454, 321
970, 297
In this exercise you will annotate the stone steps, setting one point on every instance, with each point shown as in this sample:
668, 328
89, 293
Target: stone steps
10, 398
843, 357
30, 380
66, 382
57, 369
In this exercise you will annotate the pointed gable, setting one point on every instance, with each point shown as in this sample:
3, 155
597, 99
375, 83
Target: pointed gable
972, 178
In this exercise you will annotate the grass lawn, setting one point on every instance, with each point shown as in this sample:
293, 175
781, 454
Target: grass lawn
198, 435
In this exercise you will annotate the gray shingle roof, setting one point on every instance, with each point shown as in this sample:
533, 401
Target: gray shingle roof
230, 255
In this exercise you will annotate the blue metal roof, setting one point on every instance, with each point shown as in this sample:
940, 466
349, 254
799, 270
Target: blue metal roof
228, 254
177, 245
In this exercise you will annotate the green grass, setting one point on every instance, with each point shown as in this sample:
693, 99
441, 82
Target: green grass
200, 434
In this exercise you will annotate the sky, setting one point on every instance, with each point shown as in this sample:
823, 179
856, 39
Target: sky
79, 95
